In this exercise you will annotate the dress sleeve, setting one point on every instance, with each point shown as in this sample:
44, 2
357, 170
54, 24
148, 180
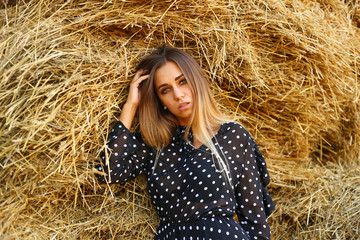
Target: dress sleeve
254, 201
124, 157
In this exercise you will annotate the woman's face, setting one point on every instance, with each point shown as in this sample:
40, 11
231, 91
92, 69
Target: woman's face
174, 91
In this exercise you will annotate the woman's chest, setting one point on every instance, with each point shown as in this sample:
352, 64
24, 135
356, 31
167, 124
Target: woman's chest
185, 176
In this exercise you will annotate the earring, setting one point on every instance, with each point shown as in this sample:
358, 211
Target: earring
165, 108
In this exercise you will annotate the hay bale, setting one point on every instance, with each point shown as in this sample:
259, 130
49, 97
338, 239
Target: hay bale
288, 71
327, 207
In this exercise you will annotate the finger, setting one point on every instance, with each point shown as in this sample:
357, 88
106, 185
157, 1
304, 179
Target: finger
139, 73
140, 79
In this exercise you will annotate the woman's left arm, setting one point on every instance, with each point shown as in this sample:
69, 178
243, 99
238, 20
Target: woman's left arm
254, 201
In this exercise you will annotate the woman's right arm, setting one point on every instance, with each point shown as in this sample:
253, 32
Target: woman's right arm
129, 110
125, 155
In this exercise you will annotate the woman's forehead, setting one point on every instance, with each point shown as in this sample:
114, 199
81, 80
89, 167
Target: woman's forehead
170, 71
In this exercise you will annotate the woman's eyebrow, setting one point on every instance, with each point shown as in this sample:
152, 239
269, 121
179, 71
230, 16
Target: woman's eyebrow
162, 85
179, 76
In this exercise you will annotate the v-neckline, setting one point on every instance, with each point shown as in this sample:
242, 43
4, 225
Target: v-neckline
191, 138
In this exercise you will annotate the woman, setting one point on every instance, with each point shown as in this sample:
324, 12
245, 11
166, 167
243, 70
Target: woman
201, 168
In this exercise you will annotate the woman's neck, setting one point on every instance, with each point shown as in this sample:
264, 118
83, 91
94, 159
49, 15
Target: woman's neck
196, 143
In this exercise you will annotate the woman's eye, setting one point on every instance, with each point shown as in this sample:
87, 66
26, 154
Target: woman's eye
164, 90
183, 81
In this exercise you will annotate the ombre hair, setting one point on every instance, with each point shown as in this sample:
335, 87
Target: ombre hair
157, 125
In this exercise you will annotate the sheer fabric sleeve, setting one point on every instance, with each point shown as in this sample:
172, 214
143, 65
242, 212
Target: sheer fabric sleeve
124, 157
254, 201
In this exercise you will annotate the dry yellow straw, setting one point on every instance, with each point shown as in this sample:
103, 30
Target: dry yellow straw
287, 70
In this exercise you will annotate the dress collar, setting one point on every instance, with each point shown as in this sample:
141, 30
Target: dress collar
180, 133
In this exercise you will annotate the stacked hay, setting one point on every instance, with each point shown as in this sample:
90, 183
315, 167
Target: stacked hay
287, 70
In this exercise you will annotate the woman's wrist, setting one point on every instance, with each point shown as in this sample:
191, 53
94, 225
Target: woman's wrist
128, 113
131, 106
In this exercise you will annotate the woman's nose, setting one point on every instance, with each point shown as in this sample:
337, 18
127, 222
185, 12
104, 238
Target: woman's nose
178, 94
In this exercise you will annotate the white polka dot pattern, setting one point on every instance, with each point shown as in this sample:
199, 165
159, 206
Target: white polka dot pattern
191, 196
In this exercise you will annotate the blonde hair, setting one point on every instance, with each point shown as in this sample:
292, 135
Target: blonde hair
157, 125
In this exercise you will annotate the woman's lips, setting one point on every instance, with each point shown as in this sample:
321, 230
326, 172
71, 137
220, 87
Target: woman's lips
184, 106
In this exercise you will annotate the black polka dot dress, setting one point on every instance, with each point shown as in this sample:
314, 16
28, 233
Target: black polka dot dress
189, 192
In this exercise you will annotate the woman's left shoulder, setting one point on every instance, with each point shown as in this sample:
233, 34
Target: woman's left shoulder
234, 128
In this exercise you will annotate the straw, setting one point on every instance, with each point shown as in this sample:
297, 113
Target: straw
287, 71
